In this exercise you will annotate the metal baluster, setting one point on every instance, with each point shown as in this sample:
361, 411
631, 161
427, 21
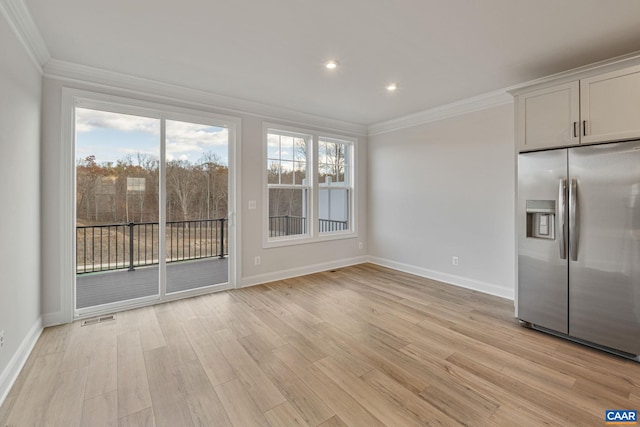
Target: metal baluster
222, 238
131, 246
85, 248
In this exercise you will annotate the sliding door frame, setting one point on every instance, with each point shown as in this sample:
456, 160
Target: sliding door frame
72, 98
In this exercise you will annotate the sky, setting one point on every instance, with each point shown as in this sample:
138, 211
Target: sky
111, 136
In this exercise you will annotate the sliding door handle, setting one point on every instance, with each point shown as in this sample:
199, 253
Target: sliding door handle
573, 226
562, 191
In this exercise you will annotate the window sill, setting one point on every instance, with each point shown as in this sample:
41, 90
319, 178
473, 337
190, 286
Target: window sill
305, 240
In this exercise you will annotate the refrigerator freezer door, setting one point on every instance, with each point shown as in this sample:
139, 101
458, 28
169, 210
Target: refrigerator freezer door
542, 273
604, 266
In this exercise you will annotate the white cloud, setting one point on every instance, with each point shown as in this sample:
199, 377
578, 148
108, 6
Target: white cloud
187, 141
88, 120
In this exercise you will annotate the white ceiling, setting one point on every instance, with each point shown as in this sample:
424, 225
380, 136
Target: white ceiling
272, 52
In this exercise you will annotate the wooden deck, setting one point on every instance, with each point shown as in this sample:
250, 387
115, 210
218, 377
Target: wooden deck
94, 289
361, 346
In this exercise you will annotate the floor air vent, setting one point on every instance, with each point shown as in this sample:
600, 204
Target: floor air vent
98, 320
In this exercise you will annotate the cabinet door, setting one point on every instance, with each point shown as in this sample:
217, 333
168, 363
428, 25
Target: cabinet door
610, 106
549, 117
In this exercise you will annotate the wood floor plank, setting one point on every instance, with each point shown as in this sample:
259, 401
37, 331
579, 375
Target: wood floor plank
356, 346
177, 342
32, 402
407, 374
150, 332
213, 362
143, 418
256, 325
365, 395
291, 336
557, 407
7, 408
285, 415
200, 396
102, 376
163, 383
173, 414
239, 405
53, 340
66, 403
78, 351
133, 385
343, 404
425, 413
311, 407
101, 411
264, 393
334, 421
507, 415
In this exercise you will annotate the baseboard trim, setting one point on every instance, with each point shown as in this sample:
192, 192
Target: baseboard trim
54, 319
463, 282
11, 372
300, 271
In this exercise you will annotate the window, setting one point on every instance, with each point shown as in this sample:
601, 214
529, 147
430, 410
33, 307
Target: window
309, 186
334, 185
288, 185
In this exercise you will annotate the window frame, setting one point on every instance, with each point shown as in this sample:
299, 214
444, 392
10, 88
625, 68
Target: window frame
313, 228
308, 187
349, 186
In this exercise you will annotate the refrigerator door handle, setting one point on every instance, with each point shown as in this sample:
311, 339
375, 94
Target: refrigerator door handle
562, 191
573, 229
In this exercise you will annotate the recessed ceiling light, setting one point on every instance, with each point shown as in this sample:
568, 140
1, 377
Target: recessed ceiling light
331, 64
391, 87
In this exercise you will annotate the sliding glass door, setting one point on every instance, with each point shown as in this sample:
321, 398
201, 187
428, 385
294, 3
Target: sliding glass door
197, 177
117, 207
152, 203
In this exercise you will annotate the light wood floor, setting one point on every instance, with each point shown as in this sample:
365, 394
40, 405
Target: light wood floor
361, 346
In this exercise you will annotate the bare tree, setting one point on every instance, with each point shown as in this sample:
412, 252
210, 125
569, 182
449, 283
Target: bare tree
181, 184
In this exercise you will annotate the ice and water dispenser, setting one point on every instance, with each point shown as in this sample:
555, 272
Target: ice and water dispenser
541, 219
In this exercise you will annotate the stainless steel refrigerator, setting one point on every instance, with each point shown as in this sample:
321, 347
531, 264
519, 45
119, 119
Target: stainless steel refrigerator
579, 244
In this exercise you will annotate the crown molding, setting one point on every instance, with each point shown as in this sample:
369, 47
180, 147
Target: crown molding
67, 71
453, 109
19, 19
612, 64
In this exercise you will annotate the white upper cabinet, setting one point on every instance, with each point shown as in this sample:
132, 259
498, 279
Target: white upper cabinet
549, 117
610, 106
596, 108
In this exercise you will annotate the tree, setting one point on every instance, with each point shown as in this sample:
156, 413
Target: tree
332, 161
216, 175
181, 185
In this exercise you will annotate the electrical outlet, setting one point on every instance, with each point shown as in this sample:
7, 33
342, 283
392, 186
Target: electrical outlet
252, 204
360, 245
257, 260
1, 339
454, 260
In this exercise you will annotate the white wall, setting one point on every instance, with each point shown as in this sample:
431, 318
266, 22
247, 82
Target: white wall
20, 89
275, 262
446, 189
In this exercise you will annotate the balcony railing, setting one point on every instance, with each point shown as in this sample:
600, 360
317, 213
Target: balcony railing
328, 225
288, 225
127, 246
